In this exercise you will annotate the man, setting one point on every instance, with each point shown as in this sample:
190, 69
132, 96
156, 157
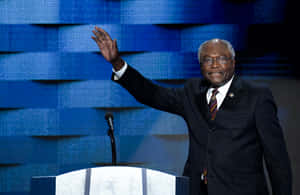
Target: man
232, 124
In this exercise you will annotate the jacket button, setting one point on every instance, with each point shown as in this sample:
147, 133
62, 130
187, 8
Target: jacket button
212, 128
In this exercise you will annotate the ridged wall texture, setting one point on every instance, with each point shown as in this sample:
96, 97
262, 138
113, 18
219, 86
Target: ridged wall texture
55, 86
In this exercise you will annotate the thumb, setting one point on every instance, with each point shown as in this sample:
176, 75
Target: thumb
115, 43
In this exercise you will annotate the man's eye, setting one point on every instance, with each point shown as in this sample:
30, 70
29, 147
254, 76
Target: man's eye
207, 59
223, 58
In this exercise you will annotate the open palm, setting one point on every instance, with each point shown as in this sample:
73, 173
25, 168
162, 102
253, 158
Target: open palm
107, 46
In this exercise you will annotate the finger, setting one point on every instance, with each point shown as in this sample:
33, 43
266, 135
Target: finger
95, 33
98, 42
94, 38
115, 43
98, 36
103, 32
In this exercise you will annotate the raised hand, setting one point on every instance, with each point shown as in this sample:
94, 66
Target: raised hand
108, 48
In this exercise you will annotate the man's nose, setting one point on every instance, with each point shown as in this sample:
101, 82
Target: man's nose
215, 63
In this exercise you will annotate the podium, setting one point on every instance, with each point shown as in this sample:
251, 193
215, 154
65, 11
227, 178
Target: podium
111, 180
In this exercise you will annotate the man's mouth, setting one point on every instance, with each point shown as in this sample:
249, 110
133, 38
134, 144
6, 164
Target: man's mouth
215, 73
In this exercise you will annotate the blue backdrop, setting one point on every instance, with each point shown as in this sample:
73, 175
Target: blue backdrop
55, 87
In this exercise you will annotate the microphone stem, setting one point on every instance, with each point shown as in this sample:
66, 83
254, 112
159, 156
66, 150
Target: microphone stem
113, 147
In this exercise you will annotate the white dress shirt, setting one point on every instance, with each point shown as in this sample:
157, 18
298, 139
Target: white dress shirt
222, 93
118, 74
220, 96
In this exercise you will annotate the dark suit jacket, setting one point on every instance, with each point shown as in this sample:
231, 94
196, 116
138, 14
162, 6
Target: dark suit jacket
232, 147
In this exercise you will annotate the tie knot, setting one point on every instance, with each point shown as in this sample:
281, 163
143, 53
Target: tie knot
215, 92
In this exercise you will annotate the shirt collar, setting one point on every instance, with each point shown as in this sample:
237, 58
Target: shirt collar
224, 88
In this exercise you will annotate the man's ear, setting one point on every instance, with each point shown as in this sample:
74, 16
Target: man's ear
233, 62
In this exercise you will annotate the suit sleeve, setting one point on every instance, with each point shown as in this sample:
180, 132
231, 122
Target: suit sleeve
274, 146
148, 93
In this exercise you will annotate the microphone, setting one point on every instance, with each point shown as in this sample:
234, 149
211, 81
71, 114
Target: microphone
110, 120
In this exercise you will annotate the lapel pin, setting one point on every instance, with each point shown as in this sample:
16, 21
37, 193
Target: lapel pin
231, 95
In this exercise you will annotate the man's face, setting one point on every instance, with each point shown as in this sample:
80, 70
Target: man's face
217, 65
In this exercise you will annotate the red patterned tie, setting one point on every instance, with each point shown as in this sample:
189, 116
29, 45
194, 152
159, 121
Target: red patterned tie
213, 104
213, 108
204, 176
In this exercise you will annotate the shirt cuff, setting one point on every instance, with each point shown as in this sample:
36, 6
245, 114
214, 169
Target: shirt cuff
119, 74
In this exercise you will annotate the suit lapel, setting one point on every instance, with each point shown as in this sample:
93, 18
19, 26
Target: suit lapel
232, 98
233, 95
202, 102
